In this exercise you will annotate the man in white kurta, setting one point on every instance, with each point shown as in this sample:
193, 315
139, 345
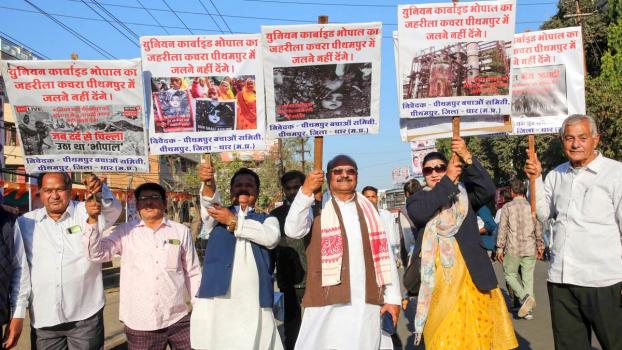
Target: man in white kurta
236, 320
353, 325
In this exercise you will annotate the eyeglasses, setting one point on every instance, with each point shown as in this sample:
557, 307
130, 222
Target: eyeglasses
154, 197
348, 171
440, 168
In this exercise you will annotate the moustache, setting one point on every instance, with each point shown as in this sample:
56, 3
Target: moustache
344, 179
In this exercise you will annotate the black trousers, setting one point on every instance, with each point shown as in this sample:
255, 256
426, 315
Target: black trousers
293, 315
576, 311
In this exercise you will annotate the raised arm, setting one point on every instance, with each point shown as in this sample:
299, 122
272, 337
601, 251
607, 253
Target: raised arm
300, 216
100, 249
544, 203
422, 205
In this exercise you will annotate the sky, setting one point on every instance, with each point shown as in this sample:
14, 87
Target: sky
377, 155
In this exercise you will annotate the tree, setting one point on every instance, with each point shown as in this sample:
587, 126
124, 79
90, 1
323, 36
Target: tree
594, 28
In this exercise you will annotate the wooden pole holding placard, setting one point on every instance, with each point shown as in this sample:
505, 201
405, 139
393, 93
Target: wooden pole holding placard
318, 142
455, 120
532, 179
207, 159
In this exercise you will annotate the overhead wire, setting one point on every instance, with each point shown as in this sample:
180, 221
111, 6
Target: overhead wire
152, 16
293, 2
101, 20
73, 32
133, 33
220, 14
17, 42
207, 13
132, 40
176, 15
210, 16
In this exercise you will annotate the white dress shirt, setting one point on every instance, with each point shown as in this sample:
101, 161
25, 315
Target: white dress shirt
55, 277
586, 205
355, 325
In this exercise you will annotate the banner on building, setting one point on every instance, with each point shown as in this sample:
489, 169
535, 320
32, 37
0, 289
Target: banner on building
417, 154
440, 127
79, 116
454, 58
322, 79
548, 79
401, 175
207, 93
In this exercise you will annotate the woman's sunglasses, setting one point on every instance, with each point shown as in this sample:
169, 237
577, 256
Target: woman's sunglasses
440, 168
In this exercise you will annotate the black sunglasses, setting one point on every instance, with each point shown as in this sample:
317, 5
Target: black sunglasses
440, 168
349, 171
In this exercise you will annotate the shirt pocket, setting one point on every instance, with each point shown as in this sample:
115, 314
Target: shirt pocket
596, 205
172, 257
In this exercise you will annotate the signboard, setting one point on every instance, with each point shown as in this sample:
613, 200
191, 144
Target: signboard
322, 79
79, 116
206, 92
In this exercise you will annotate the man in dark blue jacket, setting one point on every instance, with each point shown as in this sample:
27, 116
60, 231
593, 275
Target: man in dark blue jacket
13, 325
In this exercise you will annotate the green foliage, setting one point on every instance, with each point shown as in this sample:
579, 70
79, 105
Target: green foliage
268, 169
594, 29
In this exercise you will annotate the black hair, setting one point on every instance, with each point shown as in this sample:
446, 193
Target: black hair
150, 186
291, 175
339, 158
434, 155
411, 186
519, 187
66, 179
370, 188
245, 171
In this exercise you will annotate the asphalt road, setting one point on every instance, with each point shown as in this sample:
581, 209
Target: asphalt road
533, 334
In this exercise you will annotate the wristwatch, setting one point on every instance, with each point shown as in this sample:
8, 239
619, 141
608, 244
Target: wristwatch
233, 224
468, 161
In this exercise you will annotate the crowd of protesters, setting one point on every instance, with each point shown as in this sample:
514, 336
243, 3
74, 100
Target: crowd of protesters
345, 268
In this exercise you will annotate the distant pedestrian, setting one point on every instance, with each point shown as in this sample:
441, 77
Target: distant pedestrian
519, 244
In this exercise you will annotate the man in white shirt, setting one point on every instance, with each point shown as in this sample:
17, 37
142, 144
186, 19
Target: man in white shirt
233, 308
63, 289
584, 197
352, 277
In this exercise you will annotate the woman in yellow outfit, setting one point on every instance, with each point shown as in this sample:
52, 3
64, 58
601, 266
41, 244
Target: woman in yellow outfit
459, 305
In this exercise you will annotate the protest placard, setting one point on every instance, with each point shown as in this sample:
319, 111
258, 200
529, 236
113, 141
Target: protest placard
454, 58
322, 79
79, 116
440, 127
207, 93
548, 80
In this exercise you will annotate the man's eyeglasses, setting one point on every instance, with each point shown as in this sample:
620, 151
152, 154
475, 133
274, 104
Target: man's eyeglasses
439, 168
154, 197
348, 171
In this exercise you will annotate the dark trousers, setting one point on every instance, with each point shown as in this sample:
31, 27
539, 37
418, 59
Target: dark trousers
87, 334
176, 335
293, 315
576, 311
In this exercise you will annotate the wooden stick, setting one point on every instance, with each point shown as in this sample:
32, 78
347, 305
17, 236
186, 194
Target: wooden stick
318, 142
532, 179
207, 159
455, 126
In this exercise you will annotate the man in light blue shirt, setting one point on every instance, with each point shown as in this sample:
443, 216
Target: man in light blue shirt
55, 279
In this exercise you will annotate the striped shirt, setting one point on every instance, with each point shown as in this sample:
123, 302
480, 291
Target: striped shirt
519, 232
